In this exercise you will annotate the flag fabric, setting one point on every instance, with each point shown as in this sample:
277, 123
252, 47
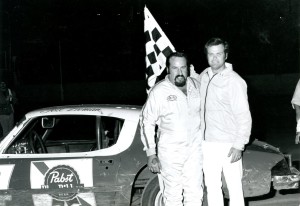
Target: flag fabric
158, 47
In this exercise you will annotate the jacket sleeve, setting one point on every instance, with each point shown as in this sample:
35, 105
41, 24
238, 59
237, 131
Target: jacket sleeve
197, 76
296, 96
240, 108
194, 74
148, 120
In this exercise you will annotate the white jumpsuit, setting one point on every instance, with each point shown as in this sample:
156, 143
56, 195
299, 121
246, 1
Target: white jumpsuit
179, 144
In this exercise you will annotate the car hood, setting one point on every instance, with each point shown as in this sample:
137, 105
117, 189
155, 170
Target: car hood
263, 147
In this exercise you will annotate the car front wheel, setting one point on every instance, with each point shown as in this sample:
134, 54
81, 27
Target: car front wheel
151, 194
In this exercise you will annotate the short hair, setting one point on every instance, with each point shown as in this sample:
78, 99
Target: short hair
176, 54
215, 42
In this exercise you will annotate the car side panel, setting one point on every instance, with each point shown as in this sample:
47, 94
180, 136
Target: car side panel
257, 167
58, 180
100, 180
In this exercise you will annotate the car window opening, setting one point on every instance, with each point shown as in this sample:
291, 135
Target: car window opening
67, 134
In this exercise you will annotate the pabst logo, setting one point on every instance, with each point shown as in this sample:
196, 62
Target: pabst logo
62, 177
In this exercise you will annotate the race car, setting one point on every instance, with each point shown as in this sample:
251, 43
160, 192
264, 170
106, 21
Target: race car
93, 155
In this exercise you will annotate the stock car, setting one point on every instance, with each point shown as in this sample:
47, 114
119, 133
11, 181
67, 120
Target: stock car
93, 155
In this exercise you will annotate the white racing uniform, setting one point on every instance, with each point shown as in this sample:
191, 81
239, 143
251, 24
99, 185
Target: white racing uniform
296, 101
296, 96
179, 144
226, 122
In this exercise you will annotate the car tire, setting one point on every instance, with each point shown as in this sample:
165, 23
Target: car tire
151, 195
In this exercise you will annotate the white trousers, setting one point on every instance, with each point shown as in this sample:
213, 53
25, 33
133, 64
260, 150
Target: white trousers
216, 160
182, 176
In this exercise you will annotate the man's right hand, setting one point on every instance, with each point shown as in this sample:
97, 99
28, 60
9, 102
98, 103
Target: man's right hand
154, 164
297, 139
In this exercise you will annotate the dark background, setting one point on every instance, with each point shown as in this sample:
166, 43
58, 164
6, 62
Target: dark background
56, 52
95, 40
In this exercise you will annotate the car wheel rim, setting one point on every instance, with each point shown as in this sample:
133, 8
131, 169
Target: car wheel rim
158, 199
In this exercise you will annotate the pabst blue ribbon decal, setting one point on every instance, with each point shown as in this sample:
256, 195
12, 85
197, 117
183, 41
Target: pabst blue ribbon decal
63, 174
62, 177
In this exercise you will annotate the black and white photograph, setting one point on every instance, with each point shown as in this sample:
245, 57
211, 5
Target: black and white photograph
150, 102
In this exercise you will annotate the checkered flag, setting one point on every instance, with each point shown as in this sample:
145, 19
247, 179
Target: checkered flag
158, 47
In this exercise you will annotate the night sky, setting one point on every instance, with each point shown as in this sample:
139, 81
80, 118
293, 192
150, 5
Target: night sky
56, 52
103, 40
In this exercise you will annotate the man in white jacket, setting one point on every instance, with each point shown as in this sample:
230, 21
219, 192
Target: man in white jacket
173, 105
225, 123
296, 106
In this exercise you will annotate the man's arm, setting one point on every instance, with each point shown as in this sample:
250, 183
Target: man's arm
148, 119
241, 112
297, 108
296, 105
240, 108
193, 73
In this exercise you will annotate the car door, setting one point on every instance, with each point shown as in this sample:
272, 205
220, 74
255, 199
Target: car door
70, 162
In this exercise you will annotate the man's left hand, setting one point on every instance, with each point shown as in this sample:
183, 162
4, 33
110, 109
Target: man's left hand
235, 154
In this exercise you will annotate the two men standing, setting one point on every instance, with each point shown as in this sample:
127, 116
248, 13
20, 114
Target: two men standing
174, 105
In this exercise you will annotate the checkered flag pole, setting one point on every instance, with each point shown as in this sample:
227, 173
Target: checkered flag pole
158, 47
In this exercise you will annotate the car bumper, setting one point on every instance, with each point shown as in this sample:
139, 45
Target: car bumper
290, 181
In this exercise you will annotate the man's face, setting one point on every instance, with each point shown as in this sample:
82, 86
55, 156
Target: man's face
2, 86
216, 56
178, 71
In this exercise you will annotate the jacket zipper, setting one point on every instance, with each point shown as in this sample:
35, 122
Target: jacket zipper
204, 115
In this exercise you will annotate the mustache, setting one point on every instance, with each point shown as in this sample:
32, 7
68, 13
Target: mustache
179, 76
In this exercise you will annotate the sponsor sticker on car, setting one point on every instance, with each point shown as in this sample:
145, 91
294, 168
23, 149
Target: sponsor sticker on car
62, 174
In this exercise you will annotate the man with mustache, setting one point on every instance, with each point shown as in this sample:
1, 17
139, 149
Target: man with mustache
173, 105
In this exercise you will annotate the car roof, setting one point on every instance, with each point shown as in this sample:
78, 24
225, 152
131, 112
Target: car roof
129, 112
